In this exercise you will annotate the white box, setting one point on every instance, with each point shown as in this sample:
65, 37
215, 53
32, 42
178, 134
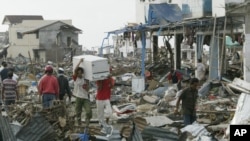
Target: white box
95, 68
138, 84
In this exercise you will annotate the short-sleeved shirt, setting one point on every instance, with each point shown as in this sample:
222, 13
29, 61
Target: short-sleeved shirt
105, 92
10, 88
189, 97
80, 86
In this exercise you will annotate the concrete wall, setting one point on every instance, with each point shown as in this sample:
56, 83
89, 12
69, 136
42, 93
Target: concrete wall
48, 41
23, 45
14, 50
218, 7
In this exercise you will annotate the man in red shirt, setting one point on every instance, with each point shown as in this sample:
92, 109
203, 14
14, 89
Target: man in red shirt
103, 99
48, 87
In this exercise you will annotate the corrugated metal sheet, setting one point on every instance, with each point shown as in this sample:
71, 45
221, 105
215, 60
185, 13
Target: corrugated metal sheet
141, 123
114, 137
155, 133
149, 133
38, 129
136, 134
6, 131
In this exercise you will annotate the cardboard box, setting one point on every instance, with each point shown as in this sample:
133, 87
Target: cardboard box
95, 68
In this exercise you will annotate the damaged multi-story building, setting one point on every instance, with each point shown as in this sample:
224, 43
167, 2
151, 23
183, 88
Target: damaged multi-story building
39, 39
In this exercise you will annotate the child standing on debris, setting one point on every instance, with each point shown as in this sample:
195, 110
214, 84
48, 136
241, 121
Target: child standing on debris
48, 87
63, 85
188, 97
81, 87
9, 90
103, 99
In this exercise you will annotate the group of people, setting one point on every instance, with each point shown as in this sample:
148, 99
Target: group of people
51, 88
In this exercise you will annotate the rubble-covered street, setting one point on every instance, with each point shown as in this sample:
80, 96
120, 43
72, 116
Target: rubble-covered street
147, 115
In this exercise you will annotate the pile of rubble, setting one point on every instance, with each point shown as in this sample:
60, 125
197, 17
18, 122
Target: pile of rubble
145, 115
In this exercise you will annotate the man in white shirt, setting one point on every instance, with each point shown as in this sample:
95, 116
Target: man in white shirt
81, 87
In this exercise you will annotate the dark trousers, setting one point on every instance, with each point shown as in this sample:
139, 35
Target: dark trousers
48, 100
7, 103
189, 119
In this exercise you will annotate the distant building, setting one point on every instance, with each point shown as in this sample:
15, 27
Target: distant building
45, 40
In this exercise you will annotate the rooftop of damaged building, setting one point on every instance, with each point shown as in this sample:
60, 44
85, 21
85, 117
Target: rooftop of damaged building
14, 19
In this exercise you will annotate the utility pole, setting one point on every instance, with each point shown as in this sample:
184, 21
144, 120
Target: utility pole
58, 43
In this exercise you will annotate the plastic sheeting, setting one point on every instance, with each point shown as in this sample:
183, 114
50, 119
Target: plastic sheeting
160, 14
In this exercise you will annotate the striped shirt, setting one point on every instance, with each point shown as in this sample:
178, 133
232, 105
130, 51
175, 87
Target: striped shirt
10, 88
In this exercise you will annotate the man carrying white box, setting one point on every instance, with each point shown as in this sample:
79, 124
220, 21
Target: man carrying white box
81, 87
103, 102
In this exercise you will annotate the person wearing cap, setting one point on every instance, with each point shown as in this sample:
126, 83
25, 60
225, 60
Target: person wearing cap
81, 88
63, 85
103, 100
48, 87
9, 90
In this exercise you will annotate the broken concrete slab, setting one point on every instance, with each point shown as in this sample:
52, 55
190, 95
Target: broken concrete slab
158, 121
240, 85
151, 99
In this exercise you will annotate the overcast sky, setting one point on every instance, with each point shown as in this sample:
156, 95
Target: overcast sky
93, 17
